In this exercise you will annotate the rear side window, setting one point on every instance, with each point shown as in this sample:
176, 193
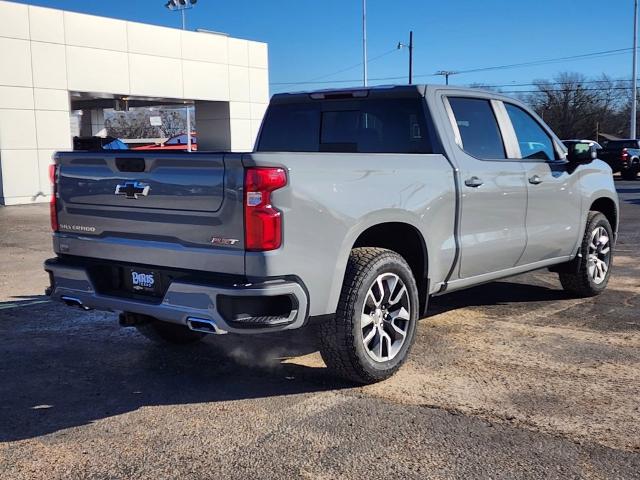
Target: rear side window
478, 127
290, 128
534, 141
359, 126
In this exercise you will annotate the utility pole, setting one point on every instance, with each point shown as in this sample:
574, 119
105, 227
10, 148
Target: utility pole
364, 43
634, 100
446, 74
410, 57
410, 47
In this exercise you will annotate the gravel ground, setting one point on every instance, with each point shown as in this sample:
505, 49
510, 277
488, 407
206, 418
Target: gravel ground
513, 379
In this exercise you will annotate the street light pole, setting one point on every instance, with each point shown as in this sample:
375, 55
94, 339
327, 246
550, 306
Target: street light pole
410, 57
634, 100
182, 6
410, 47
364, 43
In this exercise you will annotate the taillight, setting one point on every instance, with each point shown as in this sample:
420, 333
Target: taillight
263, 222
625, 154
53, 204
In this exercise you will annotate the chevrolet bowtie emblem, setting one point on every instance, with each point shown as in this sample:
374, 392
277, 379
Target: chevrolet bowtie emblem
133, 190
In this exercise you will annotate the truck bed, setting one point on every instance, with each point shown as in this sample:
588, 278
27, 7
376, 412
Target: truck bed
126, 206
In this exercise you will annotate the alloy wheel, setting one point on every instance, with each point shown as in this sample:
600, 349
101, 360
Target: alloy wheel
386, 317
599, 255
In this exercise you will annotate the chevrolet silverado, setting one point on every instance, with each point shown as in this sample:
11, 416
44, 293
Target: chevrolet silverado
355, 207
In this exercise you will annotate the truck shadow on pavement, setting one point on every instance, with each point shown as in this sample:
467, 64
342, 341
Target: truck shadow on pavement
495, 293
61, 368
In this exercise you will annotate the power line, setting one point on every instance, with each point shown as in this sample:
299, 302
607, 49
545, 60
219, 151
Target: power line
603, 53
314, 80
599, 54
544, 82
596, 89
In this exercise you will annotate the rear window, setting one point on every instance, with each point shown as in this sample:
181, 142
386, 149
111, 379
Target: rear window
358, 126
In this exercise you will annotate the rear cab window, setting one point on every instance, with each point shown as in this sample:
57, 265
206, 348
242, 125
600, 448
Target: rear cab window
366, 125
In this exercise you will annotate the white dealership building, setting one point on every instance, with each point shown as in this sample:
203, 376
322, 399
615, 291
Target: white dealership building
54, 62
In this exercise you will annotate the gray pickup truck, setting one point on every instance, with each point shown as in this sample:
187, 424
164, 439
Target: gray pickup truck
355, 207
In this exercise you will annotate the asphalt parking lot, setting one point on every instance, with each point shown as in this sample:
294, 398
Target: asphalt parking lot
513, 379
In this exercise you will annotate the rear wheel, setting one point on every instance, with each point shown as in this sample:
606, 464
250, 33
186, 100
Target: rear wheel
171, 333
591, 276
374, 328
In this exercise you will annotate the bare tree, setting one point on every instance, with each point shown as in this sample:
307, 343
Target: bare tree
136, 123
576, 107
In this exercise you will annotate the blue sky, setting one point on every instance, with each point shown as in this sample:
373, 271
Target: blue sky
309, 39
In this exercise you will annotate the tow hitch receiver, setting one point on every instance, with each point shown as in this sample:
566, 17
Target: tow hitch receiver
128, 319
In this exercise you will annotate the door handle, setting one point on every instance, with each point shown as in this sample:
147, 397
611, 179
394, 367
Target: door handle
535, 180
473, 182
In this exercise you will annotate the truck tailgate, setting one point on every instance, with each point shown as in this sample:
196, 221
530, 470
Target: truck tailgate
132, 204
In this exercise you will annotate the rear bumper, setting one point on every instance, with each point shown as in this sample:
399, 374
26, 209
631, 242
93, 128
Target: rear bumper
184, 301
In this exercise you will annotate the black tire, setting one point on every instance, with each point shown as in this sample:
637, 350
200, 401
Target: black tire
579, 281
630, 174
341, 339
169, 333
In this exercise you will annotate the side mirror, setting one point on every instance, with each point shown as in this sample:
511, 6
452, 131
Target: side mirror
581, 153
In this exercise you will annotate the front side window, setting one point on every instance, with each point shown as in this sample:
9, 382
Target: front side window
478, 127
534, 142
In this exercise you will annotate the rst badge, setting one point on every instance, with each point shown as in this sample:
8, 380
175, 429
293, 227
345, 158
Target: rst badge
224, 242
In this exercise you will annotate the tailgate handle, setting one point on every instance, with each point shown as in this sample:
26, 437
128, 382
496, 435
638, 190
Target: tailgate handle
130, 164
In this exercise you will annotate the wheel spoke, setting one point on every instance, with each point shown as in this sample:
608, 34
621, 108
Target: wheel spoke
374, 300
369, 336
604, 239
385, 339
592, 269
392, 284
397, 329
381, 289
401, 313
599, 271
605, 250
398, 297
603, 267
378, 346
365, 320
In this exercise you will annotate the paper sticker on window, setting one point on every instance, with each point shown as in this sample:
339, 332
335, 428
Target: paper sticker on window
416, 133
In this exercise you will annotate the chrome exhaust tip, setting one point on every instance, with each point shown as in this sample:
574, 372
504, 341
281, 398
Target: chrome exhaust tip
203, 325
74, 302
